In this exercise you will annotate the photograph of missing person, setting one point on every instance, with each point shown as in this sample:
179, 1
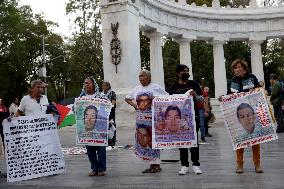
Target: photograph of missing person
247, 117
172, 118
144, 101
144, 136
90, 118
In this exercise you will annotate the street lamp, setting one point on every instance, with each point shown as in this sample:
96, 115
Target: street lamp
42, 70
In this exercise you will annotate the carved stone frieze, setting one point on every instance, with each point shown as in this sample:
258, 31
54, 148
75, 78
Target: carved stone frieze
207, 21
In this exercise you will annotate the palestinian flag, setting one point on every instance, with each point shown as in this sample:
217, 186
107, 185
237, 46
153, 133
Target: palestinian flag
67, 117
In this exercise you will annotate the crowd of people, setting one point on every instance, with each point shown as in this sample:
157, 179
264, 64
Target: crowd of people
140, 98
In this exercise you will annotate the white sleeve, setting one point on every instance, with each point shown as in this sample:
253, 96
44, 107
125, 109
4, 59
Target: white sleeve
131, 95
22, 105
11, 109
159, 90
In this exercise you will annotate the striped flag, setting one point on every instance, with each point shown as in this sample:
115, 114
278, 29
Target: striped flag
67, 117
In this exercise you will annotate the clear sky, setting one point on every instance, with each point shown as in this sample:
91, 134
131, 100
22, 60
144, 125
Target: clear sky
53, 10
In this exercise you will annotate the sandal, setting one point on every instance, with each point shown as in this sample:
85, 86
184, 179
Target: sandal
93, 173
156, 169
149, 170
101, 173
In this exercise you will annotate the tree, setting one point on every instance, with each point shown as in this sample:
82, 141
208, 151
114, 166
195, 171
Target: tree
20, 47
85, 48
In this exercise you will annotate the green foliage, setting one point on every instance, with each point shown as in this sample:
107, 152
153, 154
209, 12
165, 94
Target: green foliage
234, 50
170, 60
203, 63
85, 49
145, 51
20, 33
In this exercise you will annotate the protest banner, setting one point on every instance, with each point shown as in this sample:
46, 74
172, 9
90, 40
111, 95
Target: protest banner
143, 137
143, 144
92, 121
248, 119
33, 148
173, 122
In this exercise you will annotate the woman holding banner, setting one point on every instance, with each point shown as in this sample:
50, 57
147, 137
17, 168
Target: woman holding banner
140, 99
96, 154
243, 81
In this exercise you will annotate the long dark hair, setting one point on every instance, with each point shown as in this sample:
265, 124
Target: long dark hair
91, 107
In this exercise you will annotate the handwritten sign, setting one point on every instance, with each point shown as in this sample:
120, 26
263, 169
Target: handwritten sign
33, 148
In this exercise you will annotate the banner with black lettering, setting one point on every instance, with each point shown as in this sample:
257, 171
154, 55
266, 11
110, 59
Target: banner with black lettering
33, 148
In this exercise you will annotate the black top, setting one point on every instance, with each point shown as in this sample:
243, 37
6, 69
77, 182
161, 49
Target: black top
243, 84
178, 88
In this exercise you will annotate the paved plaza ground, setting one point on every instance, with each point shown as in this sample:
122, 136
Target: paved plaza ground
124, 171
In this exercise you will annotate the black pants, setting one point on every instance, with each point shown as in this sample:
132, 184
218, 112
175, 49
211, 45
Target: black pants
194, 156
194, 151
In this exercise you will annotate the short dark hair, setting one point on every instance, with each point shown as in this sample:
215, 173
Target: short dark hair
181, 67
91, 107
243, 63
107, 84
169, 108
244, 106
273, 76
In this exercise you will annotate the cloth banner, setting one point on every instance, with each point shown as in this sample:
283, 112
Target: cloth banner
143, 137
92, 121
173, 122
248, 119
33, 148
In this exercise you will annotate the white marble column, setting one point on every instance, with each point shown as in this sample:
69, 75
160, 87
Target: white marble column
220, 78
256, 59
156, 58
185, 54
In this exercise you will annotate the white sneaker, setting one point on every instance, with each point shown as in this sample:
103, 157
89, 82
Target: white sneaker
196, 170
183, 170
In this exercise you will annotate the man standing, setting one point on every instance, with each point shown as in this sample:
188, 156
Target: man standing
183, 86
35, 103
276, 100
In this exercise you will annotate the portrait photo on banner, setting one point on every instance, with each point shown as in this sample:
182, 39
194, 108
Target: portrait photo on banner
143, 136
173, 122
92, 121
248, 119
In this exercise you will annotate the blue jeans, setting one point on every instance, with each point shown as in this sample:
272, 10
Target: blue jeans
278, 116
97, 157
201, 122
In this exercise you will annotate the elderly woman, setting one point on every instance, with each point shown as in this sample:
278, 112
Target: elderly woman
140, 99
96, 154
243, 81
